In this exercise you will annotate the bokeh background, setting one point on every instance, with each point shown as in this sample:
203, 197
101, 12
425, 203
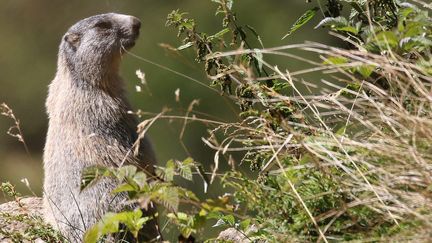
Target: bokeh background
30, 32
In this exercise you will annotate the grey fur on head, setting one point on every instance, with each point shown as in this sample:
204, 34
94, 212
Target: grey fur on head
89, 124
92, 47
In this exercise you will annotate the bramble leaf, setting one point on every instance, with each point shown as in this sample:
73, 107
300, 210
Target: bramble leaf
306, 17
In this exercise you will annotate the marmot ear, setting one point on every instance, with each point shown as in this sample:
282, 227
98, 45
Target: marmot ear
73, 39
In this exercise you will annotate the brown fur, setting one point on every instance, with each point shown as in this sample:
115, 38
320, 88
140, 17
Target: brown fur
89, 124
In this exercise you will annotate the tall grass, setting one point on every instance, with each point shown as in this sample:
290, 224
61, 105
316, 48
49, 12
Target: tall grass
346, 157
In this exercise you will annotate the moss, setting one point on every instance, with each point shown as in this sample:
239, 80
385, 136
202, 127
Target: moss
24, 227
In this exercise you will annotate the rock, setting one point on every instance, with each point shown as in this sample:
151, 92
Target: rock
21, 221
233, 235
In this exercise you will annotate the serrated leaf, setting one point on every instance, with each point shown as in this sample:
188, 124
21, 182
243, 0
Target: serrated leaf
186, 172
229, 219
110, 224
133, 221
306, 17
168, 172
187, 194
386, 39
169, 197
185, 168
338, 23
107, 225
419, 43
127, 171
92, 174
140, 179
333, 22
244, 225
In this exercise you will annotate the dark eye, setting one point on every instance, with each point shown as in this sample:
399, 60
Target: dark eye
103, 25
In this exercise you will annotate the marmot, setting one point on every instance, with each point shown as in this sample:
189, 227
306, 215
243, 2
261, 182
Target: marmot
89, 124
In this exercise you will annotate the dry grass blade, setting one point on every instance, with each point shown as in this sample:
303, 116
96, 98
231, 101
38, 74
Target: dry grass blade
15, 130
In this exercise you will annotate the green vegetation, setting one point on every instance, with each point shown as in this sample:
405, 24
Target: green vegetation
21, 220
34, 229
343, 158
347, 162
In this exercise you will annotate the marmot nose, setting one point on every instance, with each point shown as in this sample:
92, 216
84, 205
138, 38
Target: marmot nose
136, 25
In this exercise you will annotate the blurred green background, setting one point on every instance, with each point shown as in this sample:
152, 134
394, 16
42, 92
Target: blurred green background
30, 34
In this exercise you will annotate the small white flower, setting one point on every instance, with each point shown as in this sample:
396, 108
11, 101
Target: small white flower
25, 181
177, 95
141, 76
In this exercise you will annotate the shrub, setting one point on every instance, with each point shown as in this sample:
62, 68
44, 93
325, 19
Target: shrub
350, 161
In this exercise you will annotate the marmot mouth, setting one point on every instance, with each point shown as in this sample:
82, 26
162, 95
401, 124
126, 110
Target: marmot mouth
128, 44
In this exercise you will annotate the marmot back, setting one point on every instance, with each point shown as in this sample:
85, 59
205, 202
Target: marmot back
89, 124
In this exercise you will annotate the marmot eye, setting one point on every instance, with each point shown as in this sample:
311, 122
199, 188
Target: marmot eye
103, 25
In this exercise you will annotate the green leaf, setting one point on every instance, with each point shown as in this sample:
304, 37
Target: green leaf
186, 231
350, 29
406, 9
219, 34
387, 39
306, 17
335, 60
244, 225
186, 170
140, 179
124, 188
93, 173
341, 131
107, 225
338, 23
185, 193
365, 70
133, 221
188, 24
168, 172
187, 224
229, 219
127, 171
214, 215
333, 22
185, 46
417, 43
168, 196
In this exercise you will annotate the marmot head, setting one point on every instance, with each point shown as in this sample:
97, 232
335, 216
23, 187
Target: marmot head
91, 48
